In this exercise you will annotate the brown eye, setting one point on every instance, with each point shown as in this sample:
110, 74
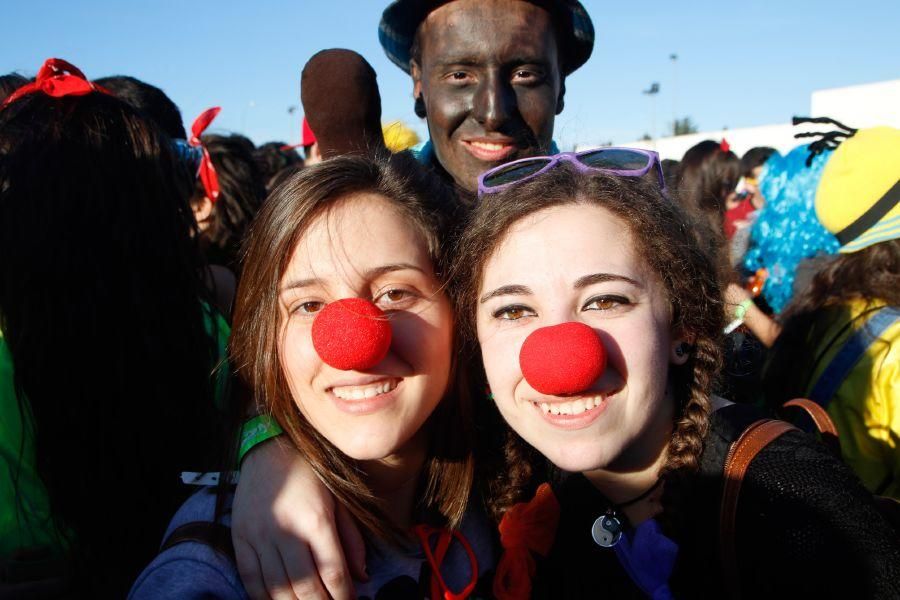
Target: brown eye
513, 313
310, 308
605, 303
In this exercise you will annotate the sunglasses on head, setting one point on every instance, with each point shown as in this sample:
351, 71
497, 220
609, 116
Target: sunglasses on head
625, 162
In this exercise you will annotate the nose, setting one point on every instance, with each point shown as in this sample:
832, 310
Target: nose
562, 359
351, 334
494, 102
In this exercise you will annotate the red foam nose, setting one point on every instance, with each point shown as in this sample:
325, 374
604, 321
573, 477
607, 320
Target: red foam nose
351, 334
562, 359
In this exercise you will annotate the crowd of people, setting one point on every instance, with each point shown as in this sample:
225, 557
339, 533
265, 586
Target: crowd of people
474, 367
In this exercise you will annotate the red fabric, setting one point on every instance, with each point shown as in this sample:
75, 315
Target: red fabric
436, 556
351, 334
525, 528
206, 172
735, 215
57, 78
308, 138
562, 359
724, 145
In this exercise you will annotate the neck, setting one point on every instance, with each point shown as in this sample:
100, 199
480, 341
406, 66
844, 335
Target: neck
395, 478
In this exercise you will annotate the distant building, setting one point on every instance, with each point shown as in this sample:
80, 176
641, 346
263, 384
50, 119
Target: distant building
857, 106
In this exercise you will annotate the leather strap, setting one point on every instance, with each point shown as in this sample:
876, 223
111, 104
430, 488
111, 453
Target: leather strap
821, 420
742, 452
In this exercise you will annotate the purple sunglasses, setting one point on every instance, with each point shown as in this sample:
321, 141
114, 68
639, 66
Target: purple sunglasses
626, 162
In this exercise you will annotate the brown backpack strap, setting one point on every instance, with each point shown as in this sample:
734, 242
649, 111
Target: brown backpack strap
821, 420
741, 453
214, 535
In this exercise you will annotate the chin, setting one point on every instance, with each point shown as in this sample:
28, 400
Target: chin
369, 447
575, 458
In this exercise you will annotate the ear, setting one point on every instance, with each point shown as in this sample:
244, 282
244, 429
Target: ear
202, 209
419, 101
560, 100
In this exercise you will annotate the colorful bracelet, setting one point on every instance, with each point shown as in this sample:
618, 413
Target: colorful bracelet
256, 431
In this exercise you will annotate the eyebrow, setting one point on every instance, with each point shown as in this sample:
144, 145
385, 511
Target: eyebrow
372, 273
581, 282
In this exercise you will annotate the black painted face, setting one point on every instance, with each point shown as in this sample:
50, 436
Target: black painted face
491, 84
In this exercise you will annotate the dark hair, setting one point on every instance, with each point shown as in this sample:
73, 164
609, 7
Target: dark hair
10, 83
149, 100
280, 226
871, 274
661, 233
241, 193
755, 157
273, 157
706, 176
100, 305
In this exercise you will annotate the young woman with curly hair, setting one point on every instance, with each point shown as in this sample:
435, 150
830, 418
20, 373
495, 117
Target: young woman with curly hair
556, 262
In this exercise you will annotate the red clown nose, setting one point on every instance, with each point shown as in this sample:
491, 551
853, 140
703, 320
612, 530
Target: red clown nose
351, 334
562, 359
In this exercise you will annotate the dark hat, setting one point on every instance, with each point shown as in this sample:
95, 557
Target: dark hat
400, 20
340, 97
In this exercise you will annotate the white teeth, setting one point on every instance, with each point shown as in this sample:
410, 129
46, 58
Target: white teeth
489, 146
364, 392
572, 407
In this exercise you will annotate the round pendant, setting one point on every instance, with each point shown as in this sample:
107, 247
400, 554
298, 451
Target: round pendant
607, 530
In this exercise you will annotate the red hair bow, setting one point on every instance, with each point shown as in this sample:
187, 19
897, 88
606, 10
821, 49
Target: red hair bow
526, 527
724, 145
206, 172
57, 78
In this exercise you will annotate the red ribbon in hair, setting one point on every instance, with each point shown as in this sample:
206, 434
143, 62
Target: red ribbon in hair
525, 528
435, 557
206, 172
724, 146
57, 78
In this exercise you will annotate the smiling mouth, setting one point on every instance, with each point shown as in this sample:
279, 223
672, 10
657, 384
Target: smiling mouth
489, 151
571, 407
362, 392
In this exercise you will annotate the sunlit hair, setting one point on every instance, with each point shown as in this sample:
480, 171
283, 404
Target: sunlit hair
663, 239
279, 228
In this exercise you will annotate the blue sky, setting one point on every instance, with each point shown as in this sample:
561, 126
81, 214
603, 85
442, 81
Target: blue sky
739, 63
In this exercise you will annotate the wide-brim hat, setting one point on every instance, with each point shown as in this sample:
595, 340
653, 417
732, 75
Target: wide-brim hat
858, 198
402, 18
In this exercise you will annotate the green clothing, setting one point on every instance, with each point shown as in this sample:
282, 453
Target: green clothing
25, 519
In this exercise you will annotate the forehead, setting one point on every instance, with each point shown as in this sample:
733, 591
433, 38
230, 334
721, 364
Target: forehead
356, 234
562, 244
487, 31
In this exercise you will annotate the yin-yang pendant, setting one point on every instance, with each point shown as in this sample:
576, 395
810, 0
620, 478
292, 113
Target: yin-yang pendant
607, 530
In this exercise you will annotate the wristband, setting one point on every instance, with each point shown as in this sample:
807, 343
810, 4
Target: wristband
742, 309
256, 431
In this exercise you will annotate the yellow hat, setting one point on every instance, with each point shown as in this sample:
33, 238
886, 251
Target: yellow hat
398, 136
857, 198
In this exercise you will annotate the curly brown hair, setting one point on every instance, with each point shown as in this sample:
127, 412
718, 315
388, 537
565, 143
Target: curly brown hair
665, 240
446, 481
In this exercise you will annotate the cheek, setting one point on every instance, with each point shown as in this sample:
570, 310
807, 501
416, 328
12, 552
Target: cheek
446, 109
299, 359
538, 109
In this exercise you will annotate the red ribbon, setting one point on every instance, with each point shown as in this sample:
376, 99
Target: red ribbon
724, 146
525, 528
57, 78
435, 557
206, 172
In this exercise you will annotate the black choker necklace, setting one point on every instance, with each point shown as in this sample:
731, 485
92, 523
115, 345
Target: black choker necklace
608, 527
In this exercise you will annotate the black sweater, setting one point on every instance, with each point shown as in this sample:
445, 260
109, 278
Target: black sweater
805, 528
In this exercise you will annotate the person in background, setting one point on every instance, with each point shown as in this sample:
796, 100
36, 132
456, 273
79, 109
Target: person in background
272, 158
151, 101
747, 199
841, 341
10, 83
108, 339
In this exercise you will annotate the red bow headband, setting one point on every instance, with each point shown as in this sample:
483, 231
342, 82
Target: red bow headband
724, 146
57, 78
206, 172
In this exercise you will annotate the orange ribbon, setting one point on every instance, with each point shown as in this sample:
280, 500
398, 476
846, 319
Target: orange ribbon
435, 557
206, 172
57, 78
525, 528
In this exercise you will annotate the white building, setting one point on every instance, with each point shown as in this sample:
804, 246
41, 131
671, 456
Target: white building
857, 106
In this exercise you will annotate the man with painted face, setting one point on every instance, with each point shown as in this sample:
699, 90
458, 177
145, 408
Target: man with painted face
488, 75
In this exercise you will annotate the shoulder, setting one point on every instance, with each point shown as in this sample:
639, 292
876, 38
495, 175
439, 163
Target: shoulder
190, 569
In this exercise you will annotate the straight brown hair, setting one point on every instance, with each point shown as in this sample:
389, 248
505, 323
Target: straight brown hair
281, 224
